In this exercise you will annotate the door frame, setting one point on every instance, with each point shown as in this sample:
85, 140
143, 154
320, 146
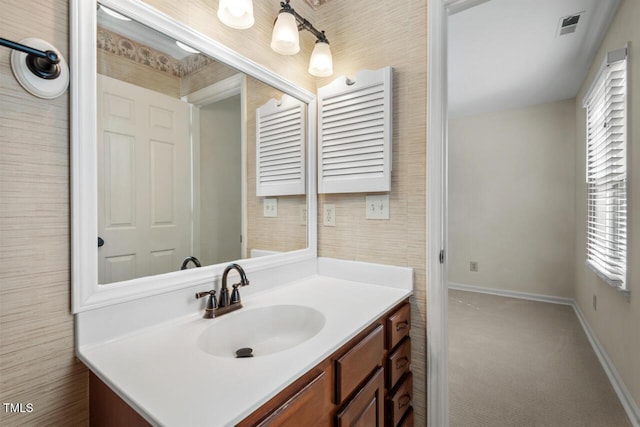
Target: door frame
437, 207
437, 343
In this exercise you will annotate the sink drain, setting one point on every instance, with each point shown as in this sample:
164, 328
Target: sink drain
244, 352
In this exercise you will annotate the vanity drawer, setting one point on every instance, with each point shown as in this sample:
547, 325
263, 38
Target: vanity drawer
354, 366
398, 325
398, 363
400, 401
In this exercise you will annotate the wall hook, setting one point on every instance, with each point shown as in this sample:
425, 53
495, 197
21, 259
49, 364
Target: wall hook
38, 67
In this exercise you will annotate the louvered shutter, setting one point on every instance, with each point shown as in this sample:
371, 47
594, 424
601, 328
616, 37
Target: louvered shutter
606, 171
354, 131
280, 147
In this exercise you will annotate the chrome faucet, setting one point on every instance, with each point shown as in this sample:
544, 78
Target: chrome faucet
218, 307
190, 259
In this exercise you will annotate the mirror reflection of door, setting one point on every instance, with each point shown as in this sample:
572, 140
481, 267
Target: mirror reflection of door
163, 194
144, 174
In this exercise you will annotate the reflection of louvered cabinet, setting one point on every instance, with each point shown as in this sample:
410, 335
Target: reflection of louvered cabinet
355, 133
280, 147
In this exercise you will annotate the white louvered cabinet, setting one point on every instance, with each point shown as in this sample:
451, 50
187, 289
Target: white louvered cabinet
280, 147
355, 133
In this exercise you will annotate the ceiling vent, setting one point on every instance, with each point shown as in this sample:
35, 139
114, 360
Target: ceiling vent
568, 24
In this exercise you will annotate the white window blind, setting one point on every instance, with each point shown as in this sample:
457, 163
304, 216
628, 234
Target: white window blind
280, 147
606, 171
354, 129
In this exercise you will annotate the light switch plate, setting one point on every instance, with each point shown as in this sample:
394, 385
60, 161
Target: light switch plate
329, 215
377, 206
270, 208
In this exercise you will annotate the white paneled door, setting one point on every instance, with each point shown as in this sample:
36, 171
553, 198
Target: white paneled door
144, 181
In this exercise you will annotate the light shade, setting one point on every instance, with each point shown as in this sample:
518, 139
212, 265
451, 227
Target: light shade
285, 39
113, 13
186, 48
321, 62
236, 13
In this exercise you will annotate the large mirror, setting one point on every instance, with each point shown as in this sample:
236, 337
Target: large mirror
165, 151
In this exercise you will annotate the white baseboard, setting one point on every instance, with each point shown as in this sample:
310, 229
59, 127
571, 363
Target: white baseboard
627, 401
513, 294
629, 404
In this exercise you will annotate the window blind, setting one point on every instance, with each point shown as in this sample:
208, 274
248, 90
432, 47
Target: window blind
606, 171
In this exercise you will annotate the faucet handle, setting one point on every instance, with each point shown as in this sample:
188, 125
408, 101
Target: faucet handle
205, 293
235, 294
211, 302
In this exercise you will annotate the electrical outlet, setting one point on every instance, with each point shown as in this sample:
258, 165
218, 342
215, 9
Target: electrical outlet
473, 266
270, 208
377, 206
329, 216
595, 302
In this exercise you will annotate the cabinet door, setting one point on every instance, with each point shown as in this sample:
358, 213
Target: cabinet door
353, 367
366, 408
306, 405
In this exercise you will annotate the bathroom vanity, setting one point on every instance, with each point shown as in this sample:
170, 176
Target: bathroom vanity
355, 366
329, 338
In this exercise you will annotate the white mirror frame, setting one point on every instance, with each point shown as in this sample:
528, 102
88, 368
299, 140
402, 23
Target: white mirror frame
87, 294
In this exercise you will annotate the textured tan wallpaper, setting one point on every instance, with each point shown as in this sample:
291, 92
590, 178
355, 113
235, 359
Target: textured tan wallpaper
37, 362
371, 35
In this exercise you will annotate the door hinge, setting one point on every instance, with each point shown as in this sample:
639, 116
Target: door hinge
442, 256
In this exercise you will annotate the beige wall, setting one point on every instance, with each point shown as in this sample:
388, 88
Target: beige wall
511, 199
37, 363
220, 181
616, 322
371, 35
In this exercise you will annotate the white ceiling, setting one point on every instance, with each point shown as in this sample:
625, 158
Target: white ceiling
507, 54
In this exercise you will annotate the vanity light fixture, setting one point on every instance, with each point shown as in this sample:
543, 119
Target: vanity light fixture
285, 40
236, 13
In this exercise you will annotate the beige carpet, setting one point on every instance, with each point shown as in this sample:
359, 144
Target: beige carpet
515, 362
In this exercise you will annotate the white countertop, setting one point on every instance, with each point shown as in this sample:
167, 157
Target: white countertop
164, 375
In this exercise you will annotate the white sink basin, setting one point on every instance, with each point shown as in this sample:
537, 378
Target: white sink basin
266, 330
